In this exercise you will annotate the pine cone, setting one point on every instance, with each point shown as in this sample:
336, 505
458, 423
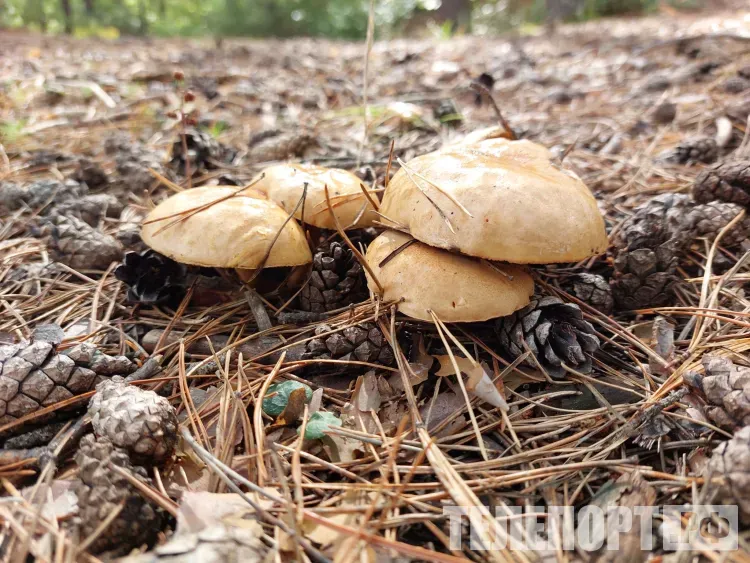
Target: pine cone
139, 421
727, 181
218, 543
92, 174
34, 375
736, 85
133, 164
79, 245
701, 149
40, 193
593, 290
337, 280
647, 252
664, 113
731, 460
102, 490
273, 145
90, 209
203, 152
726, 389
152, 278
363, 342
554, 331
706, 220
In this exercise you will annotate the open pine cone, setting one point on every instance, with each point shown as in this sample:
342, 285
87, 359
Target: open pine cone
731, 460
40, 193
700, 149
141, 422
34, 375
647, 252
151, 277
78, 245
203, 152
728, 181
337, 280
726, 388
102, 490
593, 290
554, 331
363, 342
706, 220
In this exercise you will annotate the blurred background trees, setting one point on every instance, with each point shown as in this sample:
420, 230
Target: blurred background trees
346, 19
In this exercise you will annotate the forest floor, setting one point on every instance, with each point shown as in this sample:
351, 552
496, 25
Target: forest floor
636, 107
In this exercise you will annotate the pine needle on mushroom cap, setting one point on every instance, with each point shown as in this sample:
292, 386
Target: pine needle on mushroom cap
522, 208
234, 232
284, 183
456, 288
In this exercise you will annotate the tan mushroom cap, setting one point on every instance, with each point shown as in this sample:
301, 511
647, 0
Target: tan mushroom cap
284, 183
456, 287
524, 209
234, 232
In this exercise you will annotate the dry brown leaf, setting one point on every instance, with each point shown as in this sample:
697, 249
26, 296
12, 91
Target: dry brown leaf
295, 407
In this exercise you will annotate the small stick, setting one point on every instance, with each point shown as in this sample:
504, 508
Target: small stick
258, 310
482, 89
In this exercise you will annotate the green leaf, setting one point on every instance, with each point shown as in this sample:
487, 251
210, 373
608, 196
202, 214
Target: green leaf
277, 396
318, 424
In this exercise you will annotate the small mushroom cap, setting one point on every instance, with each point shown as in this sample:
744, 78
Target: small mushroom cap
456, 288
524, 209
284, 183
234, 232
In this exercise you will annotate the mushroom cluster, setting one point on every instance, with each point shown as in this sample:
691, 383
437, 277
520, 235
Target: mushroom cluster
256, 227
464, 221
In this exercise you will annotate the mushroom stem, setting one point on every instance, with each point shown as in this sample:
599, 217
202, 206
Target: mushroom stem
258, 309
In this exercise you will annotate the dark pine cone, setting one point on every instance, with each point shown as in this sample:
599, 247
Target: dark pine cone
363, 342
102, 490
554, 331
701, 149
647, 252
152, 278
727, 181
203, 151
337, 280
726, 389
593, 290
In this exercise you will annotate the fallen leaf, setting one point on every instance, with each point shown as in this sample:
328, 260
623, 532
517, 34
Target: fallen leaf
295, 407
470, 368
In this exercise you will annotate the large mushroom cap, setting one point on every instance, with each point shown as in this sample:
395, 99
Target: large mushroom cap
457, 288
234, 232
284, 183
524, 209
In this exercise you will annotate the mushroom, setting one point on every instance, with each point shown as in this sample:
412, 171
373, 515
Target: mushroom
227, 227
497, 199
285, 183
456, 288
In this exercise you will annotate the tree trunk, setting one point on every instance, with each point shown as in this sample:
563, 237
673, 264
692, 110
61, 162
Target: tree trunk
89, 6
142, 20
68, 13
163, 8
458, 12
